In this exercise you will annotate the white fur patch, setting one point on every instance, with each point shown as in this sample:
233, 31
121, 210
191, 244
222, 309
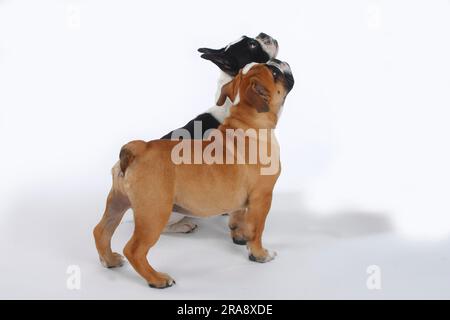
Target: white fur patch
247, 67
280, 111
237, 99
270, 49
223, 80
185, 225
282, 66
221, 112
269, 257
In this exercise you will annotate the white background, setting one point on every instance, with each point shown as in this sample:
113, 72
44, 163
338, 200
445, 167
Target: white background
364, 141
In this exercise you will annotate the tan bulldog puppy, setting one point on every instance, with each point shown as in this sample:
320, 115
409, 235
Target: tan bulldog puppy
205, 178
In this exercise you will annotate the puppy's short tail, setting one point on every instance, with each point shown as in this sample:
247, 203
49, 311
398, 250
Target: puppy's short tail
129, 152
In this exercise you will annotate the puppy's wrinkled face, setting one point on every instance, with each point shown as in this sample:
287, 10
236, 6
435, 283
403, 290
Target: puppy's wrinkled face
261, 86
245, 50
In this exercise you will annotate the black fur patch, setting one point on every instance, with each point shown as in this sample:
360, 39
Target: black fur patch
207, 120
232, 58
284, 76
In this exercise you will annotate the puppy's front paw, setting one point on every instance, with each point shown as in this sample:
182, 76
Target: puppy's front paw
114, 261
162, 281
266, 256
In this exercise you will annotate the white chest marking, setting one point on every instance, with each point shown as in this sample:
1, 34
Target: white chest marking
247, 67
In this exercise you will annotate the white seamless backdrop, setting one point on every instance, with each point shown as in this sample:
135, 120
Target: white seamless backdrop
365, 129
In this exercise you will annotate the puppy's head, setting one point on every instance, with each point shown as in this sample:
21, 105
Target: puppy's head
245, 50
263, 87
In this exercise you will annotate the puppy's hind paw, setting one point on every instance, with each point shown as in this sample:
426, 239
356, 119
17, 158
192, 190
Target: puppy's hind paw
268, 256
114, 261
183, 226
163, 281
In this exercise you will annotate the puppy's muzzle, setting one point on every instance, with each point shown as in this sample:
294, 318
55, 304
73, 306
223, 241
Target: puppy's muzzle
218, 57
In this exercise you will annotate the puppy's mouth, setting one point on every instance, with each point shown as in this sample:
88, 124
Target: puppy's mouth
220, 59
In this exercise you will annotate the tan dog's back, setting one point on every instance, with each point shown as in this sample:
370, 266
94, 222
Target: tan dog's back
201, 189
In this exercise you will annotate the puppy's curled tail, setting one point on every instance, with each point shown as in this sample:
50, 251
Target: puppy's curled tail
129, 152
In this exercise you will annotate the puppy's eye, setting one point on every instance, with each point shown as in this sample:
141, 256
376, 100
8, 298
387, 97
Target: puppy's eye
275, 74
252, 45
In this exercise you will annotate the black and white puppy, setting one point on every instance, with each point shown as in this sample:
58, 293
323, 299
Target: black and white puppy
230, 60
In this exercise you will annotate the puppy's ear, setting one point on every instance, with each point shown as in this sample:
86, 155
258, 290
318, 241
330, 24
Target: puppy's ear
257, 95
229, 90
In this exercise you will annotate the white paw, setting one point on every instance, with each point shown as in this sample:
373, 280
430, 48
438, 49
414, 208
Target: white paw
116, 260
269, 256
183, 226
